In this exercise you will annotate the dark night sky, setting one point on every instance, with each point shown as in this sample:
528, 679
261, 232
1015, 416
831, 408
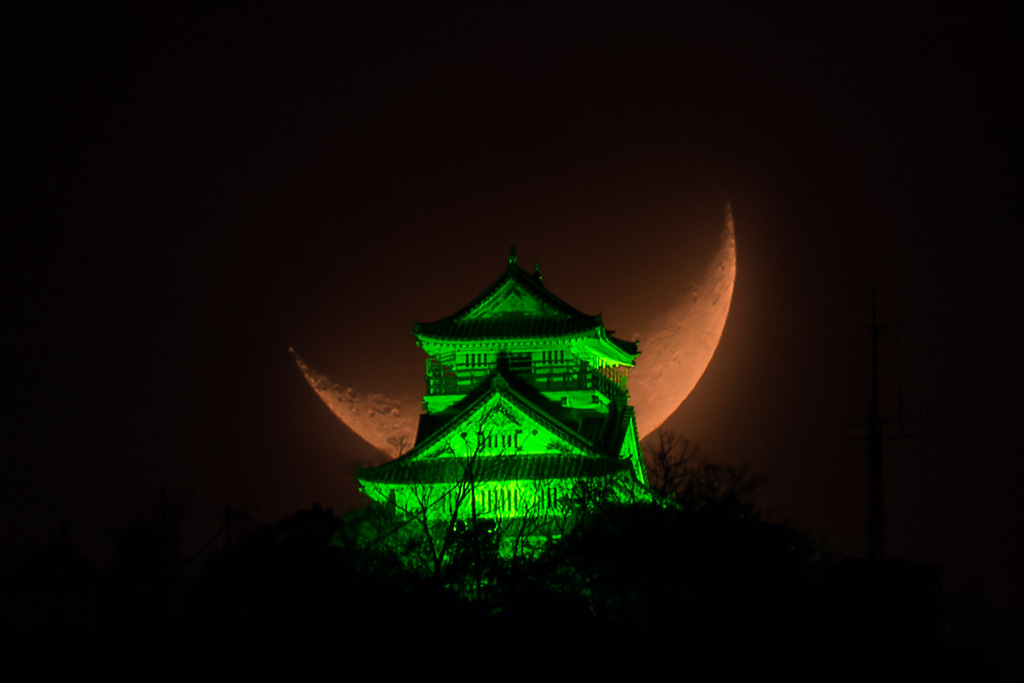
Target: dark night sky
193, 190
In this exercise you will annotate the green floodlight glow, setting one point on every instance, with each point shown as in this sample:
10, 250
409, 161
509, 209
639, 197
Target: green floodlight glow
526, 426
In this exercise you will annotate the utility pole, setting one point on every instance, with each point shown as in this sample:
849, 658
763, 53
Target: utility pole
876, 439
876, 490
227, 525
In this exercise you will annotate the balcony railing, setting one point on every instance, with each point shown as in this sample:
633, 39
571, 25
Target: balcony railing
444, 380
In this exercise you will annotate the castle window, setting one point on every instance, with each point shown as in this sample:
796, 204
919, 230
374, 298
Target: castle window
553, 357
520, 362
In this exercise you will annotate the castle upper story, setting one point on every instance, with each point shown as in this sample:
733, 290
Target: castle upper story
517, 325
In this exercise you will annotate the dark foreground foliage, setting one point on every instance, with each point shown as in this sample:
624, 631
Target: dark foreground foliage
693, 583
709, 591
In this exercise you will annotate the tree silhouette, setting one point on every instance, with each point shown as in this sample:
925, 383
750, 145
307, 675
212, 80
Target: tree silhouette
681, 474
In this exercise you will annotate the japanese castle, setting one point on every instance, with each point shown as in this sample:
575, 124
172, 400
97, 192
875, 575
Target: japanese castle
526, 412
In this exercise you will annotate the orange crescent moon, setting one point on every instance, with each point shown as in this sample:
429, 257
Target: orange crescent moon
387, 424
678, 347
675, 352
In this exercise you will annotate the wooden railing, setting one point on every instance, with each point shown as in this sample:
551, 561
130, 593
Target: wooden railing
444, 380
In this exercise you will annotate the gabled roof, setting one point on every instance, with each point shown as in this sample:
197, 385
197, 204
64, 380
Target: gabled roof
601, 431
600, 444
517, 305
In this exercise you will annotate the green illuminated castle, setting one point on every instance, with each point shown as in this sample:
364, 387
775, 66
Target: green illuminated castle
526, 414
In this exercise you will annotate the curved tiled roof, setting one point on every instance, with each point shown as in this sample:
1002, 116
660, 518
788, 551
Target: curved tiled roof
602, 436
554, 317
494, 468
500, 328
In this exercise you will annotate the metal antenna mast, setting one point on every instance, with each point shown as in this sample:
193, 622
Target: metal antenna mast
876, 491
876, 440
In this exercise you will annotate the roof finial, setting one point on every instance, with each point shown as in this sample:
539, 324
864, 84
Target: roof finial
512, 258
536, 271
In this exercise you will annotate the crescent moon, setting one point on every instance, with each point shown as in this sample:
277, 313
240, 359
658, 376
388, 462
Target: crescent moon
678, 346
675, 351
387, 424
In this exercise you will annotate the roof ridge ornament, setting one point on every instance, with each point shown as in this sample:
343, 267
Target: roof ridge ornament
513, 259
536, 271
